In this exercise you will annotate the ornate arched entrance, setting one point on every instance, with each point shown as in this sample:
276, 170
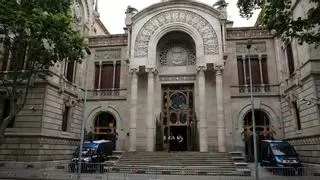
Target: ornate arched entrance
105, 126
176, 50
263, 130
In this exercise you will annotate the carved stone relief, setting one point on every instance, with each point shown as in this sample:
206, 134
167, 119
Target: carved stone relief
108, 54
178, 78
255, 49
205, 29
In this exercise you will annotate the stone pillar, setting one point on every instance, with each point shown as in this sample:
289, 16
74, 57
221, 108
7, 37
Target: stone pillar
202, 102
133, 112
220, 109
150, 119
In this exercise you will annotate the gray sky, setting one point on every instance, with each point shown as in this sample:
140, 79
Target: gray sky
112, 12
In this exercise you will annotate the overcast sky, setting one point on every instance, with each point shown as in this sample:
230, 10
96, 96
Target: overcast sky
112, 12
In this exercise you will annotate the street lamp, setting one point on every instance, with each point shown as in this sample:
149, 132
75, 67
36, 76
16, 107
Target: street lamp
84, 111
249, 44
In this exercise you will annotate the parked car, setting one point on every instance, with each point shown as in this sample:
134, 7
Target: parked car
94, 154
281, 156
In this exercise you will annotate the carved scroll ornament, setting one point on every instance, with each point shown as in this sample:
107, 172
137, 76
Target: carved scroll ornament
208, 34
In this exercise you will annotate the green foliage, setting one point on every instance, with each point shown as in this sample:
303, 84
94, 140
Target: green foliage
37, 34
277, 16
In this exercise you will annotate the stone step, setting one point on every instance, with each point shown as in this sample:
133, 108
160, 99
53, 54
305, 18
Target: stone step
161, 159
118, 152
235, 153
242, 164
238, 158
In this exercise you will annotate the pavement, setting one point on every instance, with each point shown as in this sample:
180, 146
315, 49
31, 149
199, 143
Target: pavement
42, 174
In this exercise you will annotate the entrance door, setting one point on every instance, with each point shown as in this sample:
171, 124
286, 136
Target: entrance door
177, 117
179, 141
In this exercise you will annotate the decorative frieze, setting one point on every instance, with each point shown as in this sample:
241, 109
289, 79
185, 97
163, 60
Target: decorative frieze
178, 78
315, 140
108, 54
108, 41
256, 48
244, 33
205, 29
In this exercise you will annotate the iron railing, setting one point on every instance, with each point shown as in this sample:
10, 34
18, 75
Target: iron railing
108, 172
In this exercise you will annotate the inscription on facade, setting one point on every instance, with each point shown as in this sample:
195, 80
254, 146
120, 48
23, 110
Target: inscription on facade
108, 54
255, 49
177, 78
205, 29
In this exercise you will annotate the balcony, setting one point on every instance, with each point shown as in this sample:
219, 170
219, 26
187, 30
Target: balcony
107, 94
258, 90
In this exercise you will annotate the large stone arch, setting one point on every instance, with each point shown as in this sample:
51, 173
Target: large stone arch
187, 21
113, 111
273, 117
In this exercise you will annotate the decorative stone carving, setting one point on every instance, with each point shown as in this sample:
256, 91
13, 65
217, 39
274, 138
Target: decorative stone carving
207, 32
108, 54
218, 67
134, 70
201, 68
109, 41
177, 56
78, 13
255, 49
178, 78
152, 70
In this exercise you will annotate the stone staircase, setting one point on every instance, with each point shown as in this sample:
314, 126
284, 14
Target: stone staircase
188, 163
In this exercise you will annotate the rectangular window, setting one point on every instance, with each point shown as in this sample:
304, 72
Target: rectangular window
65, 118
265, 70
70, 71
244, 71
290, 59
96, 76
240, 71
106, 76
255, 70
297, 114
117, 75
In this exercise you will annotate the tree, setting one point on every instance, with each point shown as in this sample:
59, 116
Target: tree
36, 35
277, 16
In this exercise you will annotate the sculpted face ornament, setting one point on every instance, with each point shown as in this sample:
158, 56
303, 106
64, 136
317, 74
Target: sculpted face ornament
178, 56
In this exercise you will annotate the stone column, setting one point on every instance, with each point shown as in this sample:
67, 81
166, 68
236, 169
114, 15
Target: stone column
133, 112
220, 109
202, 102
150, 110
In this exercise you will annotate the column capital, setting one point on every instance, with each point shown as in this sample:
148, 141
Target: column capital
201, 68
134, 70
218, 67
151, 70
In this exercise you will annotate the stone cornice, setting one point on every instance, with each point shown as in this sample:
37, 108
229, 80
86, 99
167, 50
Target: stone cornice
113, 40
243, 33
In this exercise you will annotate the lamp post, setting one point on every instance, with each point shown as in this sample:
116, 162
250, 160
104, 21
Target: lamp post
84, 111
249, 44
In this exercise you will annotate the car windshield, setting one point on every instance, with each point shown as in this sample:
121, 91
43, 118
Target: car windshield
282, 149
88, 149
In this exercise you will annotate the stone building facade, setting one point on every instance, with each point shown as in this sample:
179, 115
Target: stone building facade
179, 68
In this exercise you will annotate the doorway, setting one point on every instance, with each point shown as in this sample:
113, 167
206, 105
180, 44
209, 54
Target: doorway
263, 130
177, 118
179, 138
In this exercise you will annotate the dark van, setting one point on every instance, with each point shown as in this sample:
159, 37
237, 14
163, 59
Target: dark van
279, 154
93, 154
